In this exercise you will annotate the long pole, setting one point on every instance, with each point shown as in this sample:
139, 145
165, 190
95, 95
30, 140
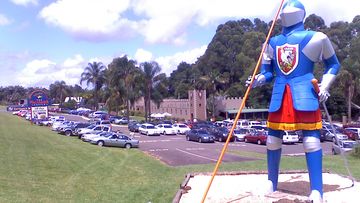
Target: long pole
337, 142
242, 104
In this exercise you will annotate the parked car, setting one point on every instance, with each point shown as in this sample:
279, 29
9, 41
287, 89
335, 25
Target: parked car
199, 135
221, 134
121, 121
181, 128
258, 137
56, 125
134, 126
356, 132
166, 129
103, 122
90, 136
240, 133
149, 129
113, 118
92, 129
97, 114
70, 130
329, 135
259, 127
345, 145
116, 140
290, 137
301, 136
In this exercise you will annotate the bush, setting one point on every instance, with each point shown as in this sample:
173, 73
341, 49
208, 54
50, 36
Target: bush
356, 152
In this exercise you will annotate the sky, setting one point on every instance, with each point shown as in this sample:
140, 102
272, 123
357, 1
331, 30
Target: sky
43, 41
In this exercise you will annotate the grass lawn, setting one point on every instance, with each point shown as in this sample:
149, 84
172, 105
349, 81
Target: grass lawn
37, 165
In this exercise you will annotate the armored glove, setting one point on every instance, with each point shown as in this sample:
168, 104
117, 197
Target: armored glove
324, 86
258, 81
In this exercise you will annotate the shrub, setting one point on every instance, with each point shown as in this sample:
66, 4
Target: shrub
356, 152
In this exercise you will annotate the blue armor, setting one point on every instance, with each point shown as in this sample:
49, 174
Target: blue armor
289, 60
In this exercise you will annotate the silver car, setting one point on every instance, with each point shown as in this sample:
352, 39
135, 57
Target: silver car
345, 145
116, 140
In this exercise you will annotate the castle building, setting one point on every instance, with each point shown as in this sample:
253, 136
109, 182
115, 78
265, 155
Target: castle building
189, 109
194, 107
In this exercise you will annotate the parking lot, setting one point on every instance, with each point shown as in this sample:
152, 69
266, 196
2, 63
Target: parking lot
174, 150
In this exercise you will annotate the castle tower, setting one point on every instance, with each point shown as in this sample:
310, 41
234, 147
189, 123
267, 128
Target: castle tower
197, 101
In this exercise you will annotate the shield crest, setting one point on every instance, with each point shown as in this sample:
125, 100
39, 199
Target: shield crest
287, 57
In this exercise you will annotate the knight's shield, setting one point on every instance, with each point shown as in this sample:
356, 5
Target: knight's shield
287, 57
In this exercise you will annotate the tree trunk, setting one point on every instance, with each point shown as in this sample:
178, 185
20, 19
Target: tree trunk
349, 104
127, 109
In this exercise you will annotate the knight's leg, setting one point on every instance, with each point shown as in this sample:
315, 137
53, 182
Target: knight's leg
313, 153
273, 143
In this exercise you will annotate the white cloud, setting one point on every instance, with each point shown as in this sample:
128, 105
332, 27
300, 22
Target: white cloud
142, 55
164, 21
4, 20
43, 72
92, 20
169, 63
25, 2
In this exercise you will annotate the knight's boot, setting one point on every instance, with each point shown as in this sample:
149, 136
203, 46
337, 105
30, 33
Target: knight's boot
315, 197
313, 153
273, 161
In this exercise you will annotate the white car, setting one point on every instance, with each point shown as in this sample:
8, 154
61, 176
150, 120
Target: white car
240, 133
181, 128
92, 129
166, 129
149, 129
89, 136
290, 137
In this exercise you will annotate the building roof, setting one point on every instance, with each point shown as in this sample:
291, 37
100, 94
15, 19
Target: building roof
232, 111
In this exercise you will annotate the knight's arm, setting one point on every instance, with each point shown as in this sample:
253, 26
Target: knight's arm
332, 65
267, 63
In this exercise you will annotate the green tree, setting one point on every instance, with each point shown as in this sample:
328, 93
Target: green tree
59, 90
151, 77
94, 74
123, 75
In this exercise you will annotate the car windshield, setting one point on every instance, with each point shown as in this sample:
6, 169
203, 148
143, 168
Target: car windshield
91, 126
150, 127
167, 126
182, 126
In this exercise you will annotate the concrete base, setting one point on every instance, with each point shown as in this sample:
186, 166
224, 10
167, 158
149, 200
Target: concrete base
249, 187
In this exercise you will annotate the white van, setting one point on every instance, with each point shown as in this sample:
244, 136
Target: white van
242, 124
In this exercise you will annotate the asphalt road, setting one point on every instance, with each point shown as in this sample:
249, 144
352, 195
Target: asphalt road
174, 150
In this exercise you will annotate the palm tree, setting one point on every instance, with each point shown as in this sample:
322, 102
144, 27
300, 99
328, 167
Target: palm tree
94, 74
59, 90
122, 76
151, 78
212, 80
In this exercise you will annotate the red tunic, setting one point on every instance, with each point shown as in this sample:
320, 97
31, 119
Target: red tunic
288, 118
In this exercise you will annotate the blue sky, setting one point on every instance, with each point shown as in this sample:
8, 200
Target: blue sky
42, 41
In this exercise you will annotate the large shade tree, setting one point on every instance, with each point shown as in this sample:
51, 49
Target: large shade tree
94, 74
58, 91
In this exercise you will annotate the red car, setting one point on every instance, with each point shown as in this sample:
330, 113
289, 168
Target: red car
351, 134
258, 137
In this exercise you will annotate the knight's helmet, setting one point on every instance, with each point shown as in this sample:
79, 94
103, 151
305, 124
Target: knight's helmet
292, 13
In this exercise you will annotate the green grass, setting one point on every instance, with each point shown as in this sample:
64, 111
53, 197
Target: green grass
37, 165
